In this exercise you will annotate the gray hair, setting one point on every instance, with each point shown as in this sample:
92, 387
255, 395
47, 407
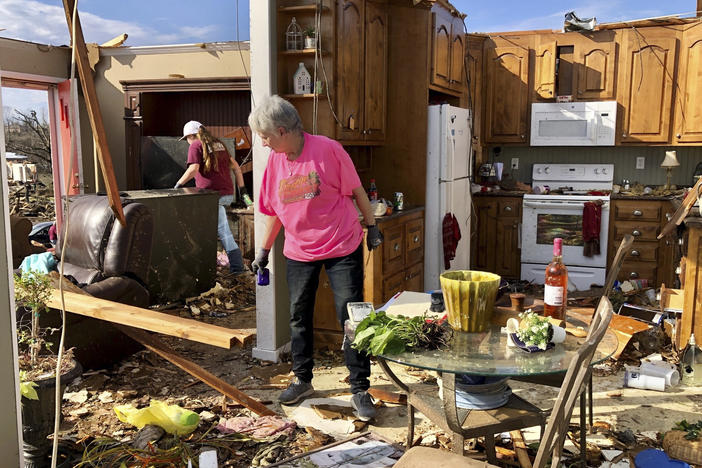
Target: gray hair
272, 113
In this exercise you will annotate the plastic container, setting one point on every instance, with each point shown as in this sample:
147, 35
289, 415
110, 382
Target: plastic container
633, 378
263, 277
469, 298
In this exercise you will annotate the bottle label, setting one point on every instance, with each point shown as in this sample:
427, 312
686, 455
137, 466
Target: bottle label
553, 295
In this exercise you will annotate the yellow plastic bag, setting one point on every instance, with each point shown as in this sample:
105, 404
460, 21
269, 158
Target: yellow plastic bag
172, 418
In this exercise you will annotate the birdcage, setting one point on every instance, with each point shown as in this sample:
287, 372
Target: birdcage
293, 36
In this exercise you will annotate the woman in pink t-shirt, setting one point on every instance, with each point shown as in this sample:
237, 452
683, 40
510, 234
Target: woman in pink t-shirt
209, 163
308, 187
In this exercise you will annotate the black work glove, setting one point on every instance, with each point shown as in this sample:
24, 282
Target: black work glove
374, 237
177, 186
261, 260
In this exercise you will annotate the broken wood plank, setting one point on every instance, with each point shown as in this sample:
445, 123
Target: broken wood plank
150, 320
157, 346
387, 397
682, 210
115, 41
520, 448
94, 113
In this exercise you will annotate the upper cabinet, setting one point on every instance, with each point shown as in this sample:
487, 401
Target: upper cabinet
362, 60
448, 51
688, 111
595, 66
646, 92
507, 93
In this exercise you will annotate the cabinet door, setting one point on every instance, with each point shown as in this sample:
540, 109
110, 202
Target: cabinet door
414, 278
414, 241
595, 69
648, 67
484, 228
441, 45
457, 80
376, 63
324, 308
507, 74
393, 249
688, 111
507, 257
545, 69
350, 69
393, 284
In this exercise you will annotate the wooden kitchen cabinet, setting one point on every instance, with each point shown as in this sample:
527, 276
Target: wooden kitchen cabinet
595, 66
688, 114
648, 258
647, 66
507, 93
362, 70
448, 50
495, 242
397, 265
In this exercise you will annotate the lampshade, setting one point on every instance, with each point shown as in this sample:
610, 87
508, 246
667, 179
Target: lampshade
670, 160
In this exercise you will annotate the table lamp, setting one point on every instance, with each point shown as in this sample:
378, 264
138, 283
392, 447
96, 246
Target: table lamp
669, 162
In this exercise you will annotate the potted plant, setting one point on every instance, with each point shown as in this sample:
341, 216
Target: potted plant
310, 34
37, 365
535, 333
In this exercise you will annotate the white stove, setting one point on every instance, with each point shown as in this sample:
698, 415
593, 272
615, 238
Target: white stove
559, 213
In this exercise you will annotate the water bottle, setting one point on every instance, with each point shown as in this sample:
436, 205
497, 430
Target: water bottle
262, 277
373, 191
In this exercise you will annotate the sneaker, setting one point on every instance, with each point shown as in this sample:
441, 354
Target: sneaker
363, 404
296, 391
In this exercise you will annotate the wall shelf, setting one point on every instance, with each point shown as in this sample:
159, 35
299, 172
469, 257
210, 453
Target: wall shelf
301, 9
303, 52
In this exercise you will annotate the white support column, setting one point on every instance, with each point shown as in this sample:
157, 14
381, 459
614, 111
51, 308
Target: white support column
272, 310
10, 418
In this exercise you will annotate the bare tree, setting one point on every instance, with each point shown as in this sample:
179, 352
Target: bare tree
26, 134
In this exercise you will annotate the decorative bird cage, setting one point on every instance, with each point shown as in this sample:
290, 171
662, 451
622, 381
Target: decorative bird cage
293, 36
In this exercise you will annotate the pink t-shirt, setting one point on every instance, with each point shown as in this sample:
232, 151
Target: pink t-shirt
312, 197
219, 180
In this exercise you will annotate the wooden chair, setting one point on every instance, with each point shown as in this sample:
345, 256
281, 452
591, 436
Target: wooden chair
551, 444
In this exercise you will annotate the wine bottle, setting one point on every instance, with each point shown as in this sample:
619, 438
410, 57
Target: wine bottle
373, 191
556, 284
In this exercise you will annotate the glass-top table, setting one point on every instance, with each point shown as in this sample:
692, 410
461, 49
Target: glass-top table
487, 353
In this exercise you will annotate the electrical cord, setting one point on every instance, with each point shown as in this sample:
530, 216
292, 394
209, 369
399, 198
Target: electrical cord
72, 124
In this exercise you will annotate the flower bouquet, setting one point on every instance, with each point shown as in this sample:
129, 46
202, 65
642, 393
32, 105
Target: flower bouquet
534, 333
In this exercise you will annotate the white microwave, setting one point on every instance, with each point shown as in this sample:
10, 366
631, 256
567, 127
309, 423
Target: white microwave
573, 123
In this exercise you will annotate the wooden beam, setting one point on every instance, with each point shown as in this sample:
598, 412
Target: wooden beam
94, 114
115, 41
699, 8
155, 345
520, 448
682, 210
146, 319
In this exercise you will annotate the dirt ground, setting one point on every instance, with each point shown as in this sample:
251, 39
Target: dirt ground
89, 415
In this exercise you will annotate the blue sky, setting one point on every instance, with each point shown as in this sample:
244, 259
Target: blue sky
157, 22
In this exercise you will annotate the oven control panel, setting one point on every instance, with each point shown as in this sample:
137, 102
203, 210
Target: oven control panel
573, 172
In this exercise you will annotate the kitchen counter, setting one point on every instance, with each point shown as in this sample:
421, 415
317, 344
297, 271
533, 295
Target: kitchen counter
499, 193
623, 196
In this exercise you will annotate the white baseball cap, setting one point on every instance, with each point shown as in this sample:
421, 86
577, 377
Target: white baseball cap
190, 128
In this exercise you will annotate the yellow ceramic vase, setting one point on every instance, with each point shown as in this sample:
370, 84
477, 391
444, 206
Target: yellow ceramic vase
469, 297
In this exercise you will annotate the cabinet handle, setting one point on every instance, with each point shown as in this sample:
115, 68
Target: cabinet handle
678, 135
508, 208
416, 239
523, 137
668, 216
633, 275
636, 233
637, 213
396, 247
623, 135
635, 253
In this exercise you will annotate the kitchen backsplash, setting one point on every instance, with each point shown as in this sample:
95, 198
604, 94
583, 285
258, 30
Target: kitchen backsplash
623, 158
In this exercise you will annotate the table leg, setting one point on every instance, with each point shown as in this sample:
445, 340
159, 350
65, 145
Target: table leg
583, 428
405, 389
410, 425
590, 403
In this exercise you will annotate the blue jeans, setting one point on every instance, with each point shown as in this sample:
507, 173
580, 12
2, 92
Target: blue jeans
223, 231
346, 278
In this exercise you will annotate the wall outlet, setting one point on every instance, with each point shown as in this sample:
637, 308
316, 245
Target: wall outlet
640, 162
515, 163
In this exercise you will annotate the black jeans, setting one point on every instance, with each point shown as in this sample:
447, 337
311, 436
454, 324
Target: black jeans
346, 278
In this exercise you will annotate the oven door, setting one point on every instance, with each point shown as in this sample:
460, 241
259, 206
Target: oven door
547, 218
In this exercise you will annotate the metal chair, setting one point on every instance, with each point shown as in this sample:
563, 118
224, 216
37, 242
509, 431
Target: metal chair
551, 444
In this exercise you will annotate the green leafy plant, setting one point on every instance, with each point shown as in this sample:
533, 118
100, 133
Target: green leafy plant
692, 430
380, 333
534, 330
309, 32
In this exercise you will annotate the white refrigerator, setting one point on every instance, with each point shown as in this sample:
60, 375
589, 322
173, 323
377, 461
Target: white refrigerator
449, 162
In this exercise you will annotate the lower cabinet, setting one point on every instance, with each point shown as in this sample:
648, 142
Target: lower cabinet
397, 265
495, 225
649, 258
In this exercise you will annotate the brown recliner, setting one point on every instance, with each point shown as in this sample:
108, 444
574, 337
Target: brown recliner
109, 261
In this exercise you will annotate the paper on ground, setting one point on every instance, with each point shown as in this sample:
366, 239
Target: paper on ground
304, 415
410, 304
